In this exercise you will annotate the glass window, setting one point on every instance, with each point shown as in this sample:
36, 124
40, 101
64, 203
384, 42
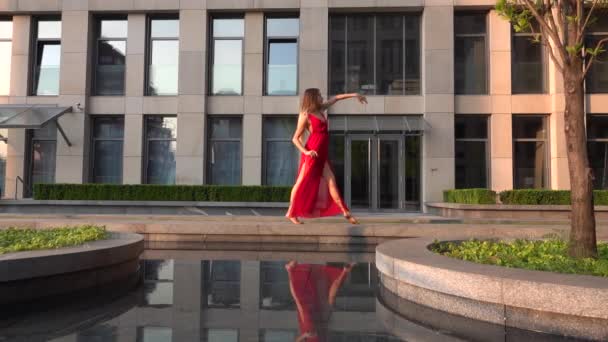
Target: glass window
224, 151
274, 286
376, 55
6, 46
470, 53
160, 148
43, 154
281, 157
111, 47
282, 56
597, 145
158, 283
227, 71
47, 57
220, 335
597, 78
528, 67
471, 132
107, 145
530, 167
154, 334
222, 284
163, 56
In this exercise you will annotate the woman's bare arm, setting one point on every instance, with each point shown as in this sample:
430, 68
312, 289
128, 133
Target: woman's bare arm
297, 136
362, 99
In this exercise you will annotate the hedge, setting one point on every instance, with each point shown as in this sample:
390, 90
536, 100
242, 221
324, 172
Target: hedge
199, 193
547, 197
470, 196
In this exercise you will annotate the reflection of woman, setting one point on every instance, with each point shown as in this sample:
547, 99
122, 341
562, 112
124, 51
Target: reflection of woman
314, 289
316, 193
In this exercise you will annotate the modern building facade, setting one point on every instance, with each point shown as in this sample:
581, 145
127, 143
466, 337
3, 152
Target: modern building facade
207, 92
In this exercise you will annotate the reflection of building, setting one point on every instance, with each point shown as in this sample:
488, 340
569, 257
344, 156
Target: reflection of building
225, 301
454, 81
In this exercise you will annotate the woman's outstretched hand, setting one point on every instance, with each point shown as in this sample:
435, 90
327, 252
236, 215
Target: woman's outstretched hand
311, 153
362, 99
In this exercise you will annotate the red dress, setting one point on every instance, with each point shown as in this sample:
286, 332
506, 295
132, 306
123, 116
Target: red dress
312, 197
310, 288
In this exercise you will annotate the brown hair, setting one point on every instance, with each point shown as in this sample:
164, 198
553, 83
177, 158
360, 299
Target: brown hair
310, 100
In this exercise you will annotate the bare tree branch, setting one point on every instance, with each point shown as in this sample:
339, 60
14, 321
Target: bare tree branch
581, 36
549, 33
599, 46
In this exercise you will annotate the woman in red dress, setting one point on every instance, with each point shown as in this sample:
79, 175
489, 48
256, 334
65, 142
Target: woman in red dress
315, 193
314, 289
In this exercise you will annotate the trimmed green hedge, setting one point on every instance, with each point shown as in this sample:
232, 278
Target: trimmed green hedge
547, 197
199, 193
470, 196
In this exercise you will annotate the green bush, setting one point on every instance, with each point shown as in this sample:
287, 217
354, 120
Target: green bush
546, 197
202, 193
548, 255
15, 240
470, 196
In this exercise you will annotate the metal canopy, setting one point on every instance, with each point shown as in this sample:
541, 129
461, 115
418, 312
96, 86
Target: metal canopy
378, 123
32, 117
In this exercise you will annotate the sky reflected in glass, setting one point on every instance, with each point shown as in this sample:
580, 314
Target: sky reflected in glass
49, 29
114, 29
233, 28
283, 27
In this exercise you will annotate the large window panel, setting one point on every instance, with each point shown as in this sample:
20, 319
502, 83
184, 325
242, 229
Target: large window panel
597, 78
107, 145
43, 154
163, 57
528, 65
530, 152
597, 144
110, 60
224, 150
470, 53
227, 69
282, 56
222, 284
471, 132
6, 46
161, 144
47, 57
375, 54
280, 154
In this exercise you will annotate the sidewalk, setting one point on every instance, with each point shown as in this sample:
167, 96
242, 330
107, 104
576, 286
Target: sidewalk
374, 228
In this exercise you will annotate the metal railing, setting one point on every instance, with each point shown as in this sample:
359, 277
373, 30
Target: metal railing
17, 180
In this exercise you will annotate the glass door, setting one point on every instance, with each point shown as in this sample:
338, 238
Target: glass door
390, 166
359, 171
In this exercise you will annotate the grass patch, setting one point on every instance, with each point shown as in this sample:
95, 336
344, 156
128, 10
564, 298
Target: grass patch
17, 240
545, 255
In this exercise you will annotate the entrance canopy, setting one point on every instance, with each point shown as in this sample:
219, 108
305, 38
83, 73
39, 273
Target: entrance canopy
31, 117
378, 123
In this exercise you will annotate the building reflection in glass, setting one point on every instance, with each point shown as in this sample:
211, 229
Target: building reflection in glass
222, 283
158, 283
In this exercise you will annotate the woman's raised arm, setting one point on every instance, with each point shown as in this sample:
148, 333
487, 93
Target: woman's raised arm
362, 99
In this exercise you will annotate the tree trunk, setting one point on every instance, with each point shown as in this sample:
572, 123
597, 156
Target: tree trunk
583, 243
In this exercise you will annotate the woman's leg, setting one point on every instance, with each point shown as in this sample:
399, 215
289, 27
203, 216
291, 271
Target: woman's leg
294, 191
334, 192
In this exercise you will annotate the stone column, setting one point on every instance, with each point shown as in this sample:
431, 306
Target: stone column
250, 300
558, 166
501, 140
313, 59
253, 89
192, 88
187, 278
438, 89
15, 152
134, 91
74, 84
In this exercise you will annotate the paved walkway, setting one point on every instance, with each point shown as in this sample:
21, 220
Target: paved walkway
373, 229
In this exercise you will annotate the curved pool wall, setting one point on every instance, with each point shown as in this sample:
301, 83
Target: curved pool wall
34, 275
551, 303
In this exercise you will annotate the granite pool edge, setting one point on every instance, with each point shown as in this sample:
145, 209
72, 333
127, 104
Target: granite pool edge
553, 303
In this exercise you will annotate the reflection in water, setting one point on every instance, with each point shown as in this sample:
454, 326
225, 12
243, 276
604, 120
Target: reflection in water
314, 289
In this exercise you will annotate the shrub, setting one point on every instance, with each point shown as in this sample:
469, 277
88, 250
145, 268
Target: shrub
145, 192
549, 255
15, 240
547, 197
470, 196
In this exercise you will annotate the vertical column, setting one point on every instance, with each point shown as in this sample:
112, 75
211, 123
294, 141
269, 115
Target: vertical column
134, 89
559, 173
73, 90
187, 287
438, 85
314, 32
253, 89
501, 139
250, 300
192, 87
15, 152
